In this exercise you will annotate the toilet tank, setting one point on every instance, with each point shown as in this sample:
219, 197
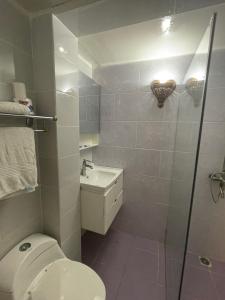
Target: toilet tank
24, 262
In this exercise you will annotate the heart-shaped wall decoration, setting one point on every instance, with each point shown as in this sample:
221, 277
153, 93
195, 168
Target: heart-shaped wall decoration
163, 90
195, 87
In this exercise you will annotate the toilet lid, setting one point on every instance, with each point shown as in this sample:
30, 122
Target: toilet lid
66, 280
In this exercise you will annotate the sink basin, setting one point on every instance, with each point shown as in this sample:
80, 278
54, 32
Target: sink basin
99, 178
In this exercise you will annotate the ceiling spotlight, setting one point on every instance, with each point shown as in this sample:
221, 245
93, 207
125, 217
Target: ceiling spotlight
166, 24
61, 49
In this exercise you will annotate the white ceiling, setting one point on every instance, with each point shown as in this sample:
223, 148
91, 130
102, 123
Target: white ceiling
146, 41
130, 8
33, 6
109, 14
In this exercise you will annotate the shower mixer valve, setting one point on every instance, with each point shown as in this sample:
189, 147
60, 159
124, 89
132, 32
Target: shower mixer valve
220, 178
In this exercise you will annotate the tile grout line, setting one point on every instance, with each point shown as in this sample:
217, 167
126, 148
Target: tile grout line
214, 285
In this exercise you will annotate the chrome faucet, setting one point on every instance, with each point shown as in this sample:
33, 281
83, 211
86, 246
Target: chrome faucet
83, 171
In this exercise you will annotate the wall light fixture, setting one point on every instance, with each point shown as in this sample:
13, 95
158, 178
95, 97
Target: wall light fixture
166, 24
194, 88
61, 49
162, 90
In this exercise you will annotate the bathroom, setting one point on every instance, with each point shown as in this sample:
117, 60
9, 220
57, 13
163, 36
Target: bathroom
125, 198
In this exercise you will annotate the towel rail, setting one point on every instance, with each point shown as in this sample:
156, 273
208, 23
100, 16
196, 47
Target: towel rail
54, 118
30, 118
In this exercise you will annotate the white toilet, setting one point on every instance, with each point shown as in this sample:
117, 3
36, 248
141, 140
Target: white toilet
37, 269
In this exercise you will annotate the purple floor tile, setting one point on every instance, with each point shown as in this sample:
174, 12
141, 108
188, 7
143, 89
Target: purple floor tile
162, 265
174, 253
131, 267
218, 267
161, 249
193, 260
186, 297
114, 255
91, 238
139, 288
111, 278
91, 245
173, 274
144, 265
114, 236
146, 244
219, 281
162, 270
161, 293
199, 284
173, 294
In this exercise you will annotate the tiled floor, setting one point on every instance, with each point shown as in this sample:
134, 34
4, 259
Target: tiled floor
200, 282
203, 283
131, 267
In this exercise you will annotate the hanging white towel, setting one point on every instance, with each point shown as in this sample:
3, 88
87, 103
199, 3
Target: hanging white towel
18, 166
14, 108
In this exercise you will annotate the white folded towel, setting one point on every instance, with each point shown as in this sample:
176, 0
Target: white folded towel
18, 166
14, 108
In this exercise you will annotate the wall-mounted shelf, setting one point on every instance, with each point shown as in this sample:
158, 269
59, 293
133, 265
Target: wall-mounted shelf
88, 141
85, 147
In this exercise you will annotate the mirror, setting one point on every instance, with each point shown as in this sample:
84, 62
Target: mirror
89, 105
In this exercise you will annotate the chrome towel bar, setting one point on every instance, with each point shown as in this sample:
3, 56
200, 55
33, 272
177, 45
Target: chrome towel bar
29, 119
54, 118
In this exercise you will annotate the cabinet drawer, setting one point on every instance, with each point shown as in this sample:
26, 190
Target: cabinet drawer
114, 210
112, 194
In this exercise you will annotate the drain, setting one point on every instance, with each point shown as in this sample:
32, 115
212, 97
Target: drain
205, 261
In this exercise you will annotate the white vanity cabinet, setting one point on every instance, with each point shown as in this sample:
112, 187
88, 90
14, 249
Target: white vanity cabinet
99, 207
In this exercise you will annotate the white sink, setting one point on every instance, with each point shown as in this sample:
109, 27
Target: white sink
99, 178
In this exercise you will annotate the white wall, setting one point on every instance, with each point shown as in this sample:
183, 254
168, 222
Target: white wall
59, 149
19, 216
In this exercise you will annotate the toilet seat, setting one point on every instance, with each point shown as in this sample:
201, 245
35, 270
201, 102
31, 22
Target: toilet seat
66, 280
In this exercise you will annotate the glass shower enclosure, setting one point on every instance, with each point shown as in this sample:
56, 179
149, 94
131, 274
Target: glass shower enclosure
185, 162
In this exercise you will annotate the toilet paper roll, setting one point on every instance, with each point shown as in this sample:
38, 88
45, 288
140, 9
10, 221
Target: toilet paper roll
19, 91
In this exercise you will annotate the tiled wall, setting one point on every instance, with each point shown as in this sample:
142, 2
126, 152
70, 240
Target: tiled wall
69, 173
19, 216
67, 110
59, 149
208, 222
44, 81
139, 137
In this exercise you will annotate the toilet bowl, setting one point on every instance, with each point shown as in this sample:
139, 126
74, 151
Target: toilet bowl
37, 269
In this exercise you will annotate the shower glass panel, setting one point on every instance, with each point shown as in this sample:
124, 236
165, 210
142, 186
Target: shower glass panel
185, 159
